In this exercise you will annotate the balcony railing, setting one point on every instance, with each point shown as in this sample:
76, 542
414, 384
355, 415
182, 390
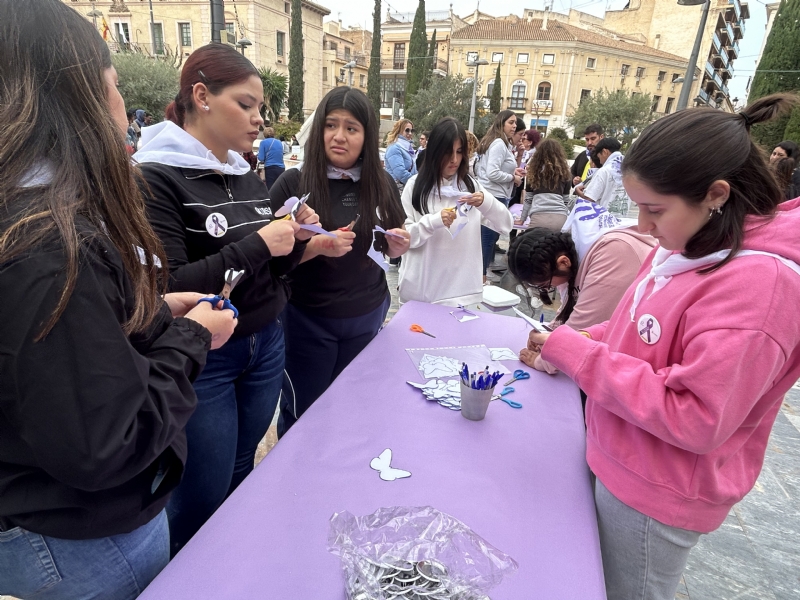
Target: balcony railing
517, 103
738, 29
539, 106
729, 29
440, 64
717, 43
733, 49
737, 8
395, 64
704, 96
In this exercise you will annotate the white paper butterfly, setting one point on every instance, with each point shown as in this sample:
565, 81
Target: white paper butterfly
383, 463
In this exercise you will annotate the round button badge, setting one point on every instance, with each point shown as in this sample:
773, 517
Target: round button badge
649, 329
216, 224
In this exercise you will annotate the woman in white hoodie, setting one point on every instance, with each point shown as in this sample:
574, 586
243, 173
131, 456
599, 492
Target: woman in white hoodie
444, 208
498, 172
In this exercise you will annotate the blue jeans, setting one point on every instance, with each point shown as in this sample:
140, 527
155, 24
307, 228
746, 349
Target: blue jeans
237, 394
317, 350
489, 238
119, 567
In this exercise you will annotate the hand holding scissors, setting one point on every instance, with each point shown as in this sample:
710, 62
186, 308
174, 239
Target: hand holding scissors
232, 277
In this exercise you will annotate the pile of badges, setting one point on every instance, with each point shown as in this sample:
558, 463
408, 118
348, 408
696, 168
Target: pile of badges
446, 393
423, 580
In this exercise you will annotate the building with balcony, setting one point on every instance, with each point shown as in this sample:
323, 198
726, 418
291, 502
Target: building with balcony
181, 26
655, 21
548, 67
396, 37
337, 53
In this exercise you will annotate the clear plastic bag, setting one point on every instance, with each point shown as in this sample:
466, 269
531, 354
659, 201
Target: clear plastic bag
414, 552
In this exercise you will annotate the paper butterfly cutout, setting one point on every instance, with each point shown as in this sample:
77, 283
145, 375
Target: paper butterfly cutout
292, 206
383, 464
439, 366
503, 354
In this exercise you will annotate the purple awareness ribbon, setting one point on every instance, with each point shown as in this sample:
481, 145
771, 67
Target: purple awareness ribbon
217, 224
646, 329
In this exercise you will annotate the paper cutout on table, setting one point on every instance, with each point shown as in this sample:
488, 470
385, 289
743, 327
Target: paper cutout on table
503, 354
463, 314
472, 355
383, 464
438, 366
375, 255
531, 321
445, 393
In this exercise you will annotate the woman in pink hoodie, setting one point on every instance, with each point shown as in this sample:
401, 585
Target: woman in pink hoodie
685, 380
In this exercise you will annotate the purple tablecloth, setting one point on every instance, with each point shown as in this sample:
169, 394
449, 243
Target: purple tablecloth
518, 478
516, 210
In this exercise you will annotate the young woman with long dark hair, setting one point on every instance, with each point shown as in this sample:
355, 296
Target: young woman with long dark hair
213, 215
427, 272
96, 372
498, 172
685, 380
339, 294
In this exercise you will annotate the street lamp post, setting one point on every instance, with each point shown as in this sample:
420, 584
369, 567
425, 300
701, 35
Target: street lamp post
476, 64
350, 66
686, 88
244, 43
94, 13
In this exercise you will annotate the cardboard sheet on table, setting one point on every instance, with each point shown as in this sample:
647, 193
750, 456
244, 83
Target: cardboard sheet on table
477, 357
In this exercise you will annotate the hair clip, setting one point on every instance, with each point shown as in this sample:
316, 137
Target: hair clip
202, 76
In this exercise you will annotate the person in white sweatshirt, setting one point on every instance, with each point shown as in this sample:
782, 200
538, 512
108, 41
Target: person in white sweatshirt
497, 171
445, 208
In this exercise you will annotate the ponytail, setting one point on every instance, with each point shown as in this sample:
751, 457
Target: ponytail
175, 111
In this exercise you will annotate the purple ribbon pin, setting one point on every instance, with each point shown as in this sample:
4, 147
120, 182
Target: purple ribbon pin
217, 225
646, 329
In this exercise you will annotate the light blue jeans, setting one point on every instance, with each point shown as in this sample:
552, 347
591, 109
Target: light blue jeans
643, 559
119, 567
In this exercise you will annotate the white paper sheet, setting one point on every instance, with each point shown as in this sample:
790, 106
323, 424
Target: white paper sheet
503, 354
378, 257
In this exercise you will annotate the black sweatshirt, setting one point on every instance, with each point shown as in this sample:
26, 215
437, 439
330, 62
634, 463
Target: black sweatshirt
208, 224
89, 416
348, 286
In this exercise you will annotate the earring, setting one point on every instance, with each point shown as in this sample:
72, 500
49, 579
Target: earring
205, 107
719, 209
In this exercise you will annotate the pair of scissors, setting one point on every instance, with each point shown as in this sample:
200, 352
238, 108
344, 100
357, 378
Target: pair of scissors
511, 403
232, 277
418, 329
519, 375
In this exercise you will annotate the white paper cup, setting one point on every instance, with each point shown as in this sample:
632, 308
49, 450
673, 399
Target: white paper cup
474, 402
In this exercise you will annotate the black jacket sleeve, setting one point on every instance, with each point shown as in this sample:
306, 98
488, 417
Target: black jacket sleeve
95, 409
203, 275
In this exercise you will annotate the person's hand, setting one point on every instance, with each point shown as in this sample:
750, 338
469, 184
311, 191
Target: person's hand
448, 216
306, 216
475, 199
536, 340
398, 246
517, 179
182, 302
517, 221
576, 181
279, 236
334, 247
519, 171
535, 360
220, 323
579, 191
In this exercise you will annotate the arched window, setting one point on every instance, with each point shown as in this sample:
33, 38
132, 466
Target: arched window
518, 89
543, 93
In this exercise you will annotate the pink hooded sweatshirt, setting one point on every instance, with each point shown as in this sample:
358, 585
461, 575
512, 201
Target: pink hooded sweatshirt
677, 428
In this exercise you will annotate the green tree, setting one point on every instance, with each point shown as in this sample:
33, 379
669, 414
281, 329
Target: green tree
448, 96
427, 75
561, 136
374, 73
295, 101
622, 114
146, 83
417, 54
779, 71
274, 85
496, 99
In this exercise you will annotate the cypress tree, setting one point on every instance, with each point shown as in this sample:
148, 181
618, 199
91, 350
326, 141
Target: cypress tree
295, 100
779, 71
374, 73
496, 100
417, 53
429, 63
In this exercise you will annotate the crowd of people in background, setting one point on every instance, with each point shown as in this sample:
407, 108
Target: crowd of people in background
134, 398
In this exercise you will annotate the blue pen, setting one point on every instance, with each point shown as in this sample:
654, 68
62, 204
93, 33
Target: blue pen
481, 382
541, 318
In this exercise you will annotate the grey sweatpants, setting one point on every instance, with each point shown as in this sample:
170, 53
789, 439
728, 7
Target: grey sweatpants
643, 559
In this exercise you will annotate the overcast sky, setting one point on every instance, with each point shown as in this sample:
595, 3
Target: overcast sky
359, 12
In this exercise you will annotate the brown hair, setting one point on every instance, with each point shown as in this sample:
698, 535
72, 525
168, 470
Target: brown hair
55, 114
548, 166
215, 65
784, 169
711, 145
472, 143
496, 131
269, 132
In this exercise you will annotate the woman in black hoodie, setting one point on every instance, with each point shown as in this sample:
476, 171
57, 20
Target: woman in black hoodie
213, 214
95, 373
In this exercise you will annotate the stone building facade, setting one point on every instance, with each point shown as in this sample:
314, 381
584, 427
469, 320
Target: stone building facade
337, 52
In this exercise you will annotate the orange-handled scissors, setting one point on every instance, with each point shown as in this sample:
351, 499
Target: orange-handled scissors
418, 329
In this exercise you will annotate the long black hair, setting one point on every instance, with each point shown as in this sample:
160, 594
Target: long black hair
715, 145
532, 259
441, 139
376, 195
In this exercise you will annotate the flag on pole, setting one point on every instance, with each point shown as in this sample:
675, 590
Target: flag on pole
106, 30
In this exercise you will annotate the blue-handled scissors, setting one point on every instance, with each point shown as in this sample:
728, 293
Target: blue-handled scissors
507, 390
511, 403
519, 374
232, 277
